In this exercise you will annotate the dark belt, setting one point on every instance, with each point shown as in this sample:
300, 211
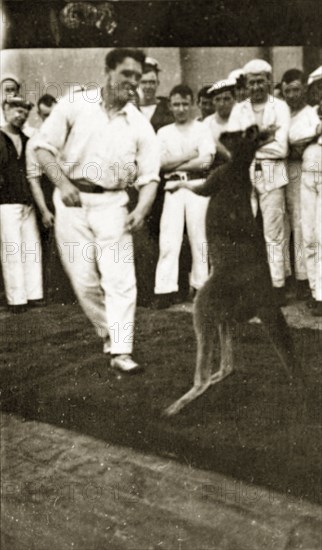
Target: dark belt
272, 160
187, 175
91, 187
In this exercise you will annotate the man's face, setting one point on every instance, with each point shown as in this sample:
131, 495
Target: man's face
206, 106
124, 79
181, 108
149, 84
294, 94
258, 87
44, 111
224, 103
16, 116
9, 88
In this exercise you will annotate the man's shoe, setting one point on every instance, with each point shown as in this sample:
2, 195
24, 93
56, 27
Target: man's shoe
37, 303
21, 308
317, 311
125, 363
280, 298
163, 301
107, 345
303, 291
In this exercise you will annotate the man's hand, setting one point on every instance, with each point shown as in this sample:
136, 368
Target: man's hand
173, 185
48, 219
271, 131
70, 194
134, 221
267, 135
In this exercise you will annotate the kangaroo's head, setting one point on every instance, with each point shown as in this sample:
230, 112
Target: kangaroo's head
243, 144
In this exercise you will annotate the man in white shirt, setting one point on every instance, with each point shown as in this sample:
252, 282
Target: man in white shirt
268, 170
92, 148
186, 152
311, 196
303, 121
223, 98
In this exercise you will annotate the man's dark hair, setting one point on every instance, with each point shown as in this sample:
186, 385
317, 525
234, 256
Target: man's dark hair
203, 92
293, 74
183, 90
116, 57
47, 100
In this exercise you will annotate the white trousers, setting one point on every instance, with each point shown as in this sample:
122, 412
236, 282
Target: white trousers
272, 205
20, 254
180, 206
311, 208
97, 255
293, 220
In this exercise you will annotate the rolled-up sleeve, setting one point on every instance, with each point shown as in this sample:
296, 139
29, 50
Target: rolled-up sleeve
148, 154
305, 127
53, 132
32, 165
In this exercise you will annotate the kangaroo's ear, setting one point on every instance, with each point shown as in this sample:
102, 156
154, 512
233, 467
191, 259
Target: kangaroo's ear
252, 132
228, 139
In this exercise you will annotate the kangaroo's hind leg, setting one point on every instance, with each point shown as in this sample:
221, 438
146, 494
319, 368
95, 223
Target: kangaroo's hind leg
206, 332
226, 351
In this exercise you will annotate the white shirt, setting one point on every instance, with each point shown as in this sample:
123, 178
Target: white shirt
179, 140
91, 146
216, 125
276, 112
148, 110
303, 124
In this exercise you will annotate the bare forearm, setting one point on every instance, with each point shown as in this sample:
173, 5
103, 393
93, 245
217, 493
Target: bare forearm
199, 163
51, 167
173, 162
147, 194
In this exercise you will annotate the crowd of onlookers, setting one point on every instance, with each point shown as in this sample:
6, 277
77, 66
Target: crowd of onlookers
286, 174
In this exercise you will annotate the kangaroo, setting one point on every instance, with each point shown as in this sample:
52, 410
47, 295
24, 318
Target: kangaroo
239, 286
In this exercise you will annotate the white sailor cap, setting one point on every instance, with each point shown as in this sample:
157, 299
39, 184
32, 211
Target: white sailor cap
256, 66
236, 74
18, 101
315, 76
153, 63
10, 76
221, 86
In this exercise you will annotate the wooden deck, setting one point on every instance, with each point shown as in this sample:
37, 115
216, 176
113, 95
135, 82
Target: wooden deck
62, 490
